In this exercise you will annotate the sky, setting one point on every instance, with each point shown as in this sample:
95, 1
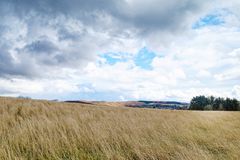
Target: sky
119, 50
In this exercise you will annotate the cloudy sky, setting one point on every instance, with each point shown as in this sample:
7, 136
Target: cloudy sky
119, 50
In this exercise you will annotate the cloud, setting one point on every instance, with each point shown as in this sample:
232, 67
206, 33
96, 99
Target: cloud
236, 91
72, 33
41, 47
153, 15
146, 15
11, 66
204, 74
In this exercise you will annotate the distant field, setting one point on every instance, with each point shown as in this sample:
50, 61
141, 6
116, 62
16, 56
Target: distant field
54, 131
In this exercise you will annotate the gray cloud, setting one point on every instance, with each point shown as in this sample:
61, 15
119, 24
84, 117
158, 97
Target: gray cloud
45, 53
41, 47
9, 66
153, 14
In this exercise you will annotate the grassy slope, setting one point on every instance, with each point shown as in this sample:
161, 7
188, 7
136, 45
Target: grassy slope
48, 130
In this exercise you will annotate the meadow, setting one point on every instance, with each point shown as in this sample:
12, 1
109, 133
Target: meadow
44, 130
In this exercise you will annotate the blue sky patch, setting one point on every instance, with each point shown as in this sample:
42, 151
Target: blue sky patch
144, 58
209, 20
113, 58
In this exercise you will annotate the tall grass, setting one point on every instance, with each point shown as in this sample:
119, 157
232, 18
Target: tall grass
49, 130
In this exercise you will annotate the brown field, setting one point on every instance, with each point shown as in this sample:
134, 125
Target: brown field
50, 130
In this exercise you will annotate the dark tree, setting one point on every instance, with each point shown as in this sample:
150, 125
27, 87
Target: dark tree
212, 103
198, 103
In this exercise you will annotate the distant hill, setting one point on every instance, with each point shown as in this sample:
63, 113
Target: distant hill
140, 104
160, 105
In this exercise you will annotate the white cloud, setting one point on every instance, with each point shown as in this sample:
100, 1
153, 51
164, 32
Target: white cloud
203, 74
236, 91
16, 86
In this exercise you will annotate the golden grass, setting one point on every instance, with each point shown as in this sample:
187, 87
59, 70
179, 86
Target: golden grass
49, 130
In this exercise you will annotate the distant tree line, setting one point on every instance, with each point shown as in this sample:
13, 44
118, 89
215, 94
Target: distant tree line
214, 103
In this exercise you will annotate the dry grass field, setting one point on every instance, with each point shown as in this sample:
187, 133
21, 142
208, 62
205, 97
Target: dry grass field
54, 131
